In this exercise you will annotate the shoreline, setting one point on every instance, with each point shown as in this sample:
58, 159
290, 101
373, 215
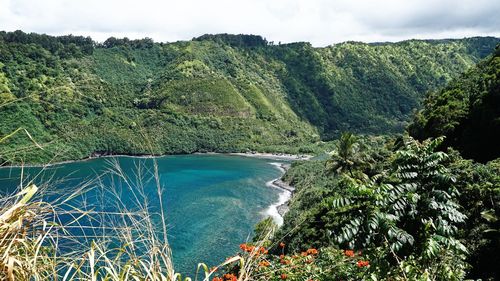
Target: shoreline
84, 160
278, 209
262, 155
275, 156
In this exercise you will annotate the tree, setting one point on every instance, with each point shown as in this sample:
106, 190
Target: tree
411, 217
347, 156
5, 94
466, 111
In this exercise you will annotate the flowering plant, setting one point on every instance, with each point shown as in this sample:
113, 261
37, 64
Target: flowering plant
311, 264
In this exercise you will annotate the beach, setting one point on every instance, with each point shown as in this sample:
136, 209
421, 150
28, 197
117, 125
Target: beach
276, 156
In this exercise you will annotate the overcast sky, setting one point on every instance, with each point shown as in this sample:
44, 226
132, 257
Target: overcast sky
321, 22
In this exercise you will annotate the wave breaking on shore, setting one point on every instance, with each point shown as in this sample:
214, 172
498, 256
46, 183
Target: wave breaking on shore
278, 209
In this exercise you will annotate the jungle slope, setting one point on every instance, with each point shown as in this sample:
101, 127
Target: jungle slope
337, 201
467, 112
224, 93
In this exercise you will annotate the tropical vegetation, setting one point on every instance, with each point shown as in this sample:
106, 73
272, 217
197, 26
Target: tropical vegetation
416, 205
466, 112
221, 93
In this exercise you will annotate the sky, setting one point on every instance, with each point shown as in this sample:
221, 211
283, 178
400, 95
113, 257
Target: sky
321, 22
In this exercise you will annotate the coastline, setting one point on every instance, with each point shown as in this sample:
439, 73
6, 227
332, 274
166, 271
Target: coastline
275, 156
263, 155
83, 160
278, 209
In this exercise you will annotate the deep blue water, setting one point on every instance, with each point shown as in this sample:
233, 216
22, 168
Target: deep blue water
212, 202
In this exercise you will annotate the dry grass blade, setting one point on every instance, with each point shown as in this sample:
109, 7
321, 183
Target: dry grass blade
26, 132
31, 233
23, 233
73, 238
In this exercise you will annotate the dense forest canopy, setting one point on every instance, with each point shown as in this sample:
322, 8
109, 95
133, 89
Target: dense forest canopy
466, 111
214, 93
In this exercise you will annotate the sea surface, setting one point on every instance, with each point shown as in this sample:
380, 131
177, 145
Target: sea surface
211, 202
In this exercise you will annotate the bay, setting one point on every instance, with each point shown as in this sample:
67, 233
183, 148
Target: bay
211, 202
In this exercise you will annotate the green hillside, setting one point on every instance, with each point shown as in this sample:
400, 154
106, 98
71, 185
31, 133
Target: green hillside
214, 93
467, 112
370, 194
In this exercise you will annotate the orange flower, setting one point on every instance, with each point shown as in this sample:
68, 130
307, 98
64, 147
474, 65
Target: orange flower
283, 276
282, 256
249, 249
262, 250
304, 254
230, 277
264, 263
312, 251
282, 245
285, 262
349, 253
361, 263
217, 279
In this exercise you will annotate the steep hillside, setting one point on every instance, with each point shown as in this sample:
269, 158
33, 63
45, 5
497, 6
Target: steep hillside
214, 93
467, 112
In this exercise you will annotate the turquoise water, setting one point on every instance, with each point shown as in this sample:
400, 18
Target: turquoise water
212, 202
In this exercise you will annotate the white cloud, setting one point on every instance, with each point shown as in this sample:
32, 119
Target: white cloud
320, 22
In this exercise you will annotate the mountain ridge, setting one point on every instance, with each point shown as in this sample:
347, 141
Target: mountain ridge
141, 97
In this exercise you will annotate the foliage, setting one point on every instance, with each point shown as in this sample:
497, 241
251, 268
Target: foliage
311, 264
417, 216
19, 242
466, 111
417, 212
264, 229
240, 40
347, 157
367, 88
479, 186
222, 93
409, 210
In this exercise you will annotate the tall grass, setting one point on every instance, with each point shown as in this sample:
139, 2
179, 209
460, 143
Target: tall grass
80, 238
84, 236
71, 239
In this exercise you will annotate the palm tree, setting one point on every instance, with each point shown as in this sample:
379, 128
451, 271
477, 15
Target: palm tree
347, 156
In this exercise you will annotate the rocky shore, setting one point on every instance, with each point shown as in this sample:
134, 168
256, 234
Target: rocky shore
283, 207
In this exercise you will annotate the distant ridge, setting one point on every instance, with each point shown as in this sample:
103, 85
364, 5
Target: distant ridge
224, 93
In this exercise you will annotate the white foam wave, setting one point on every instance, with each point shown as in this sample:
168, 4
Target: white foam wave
279, 166
272, 211
284, 196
